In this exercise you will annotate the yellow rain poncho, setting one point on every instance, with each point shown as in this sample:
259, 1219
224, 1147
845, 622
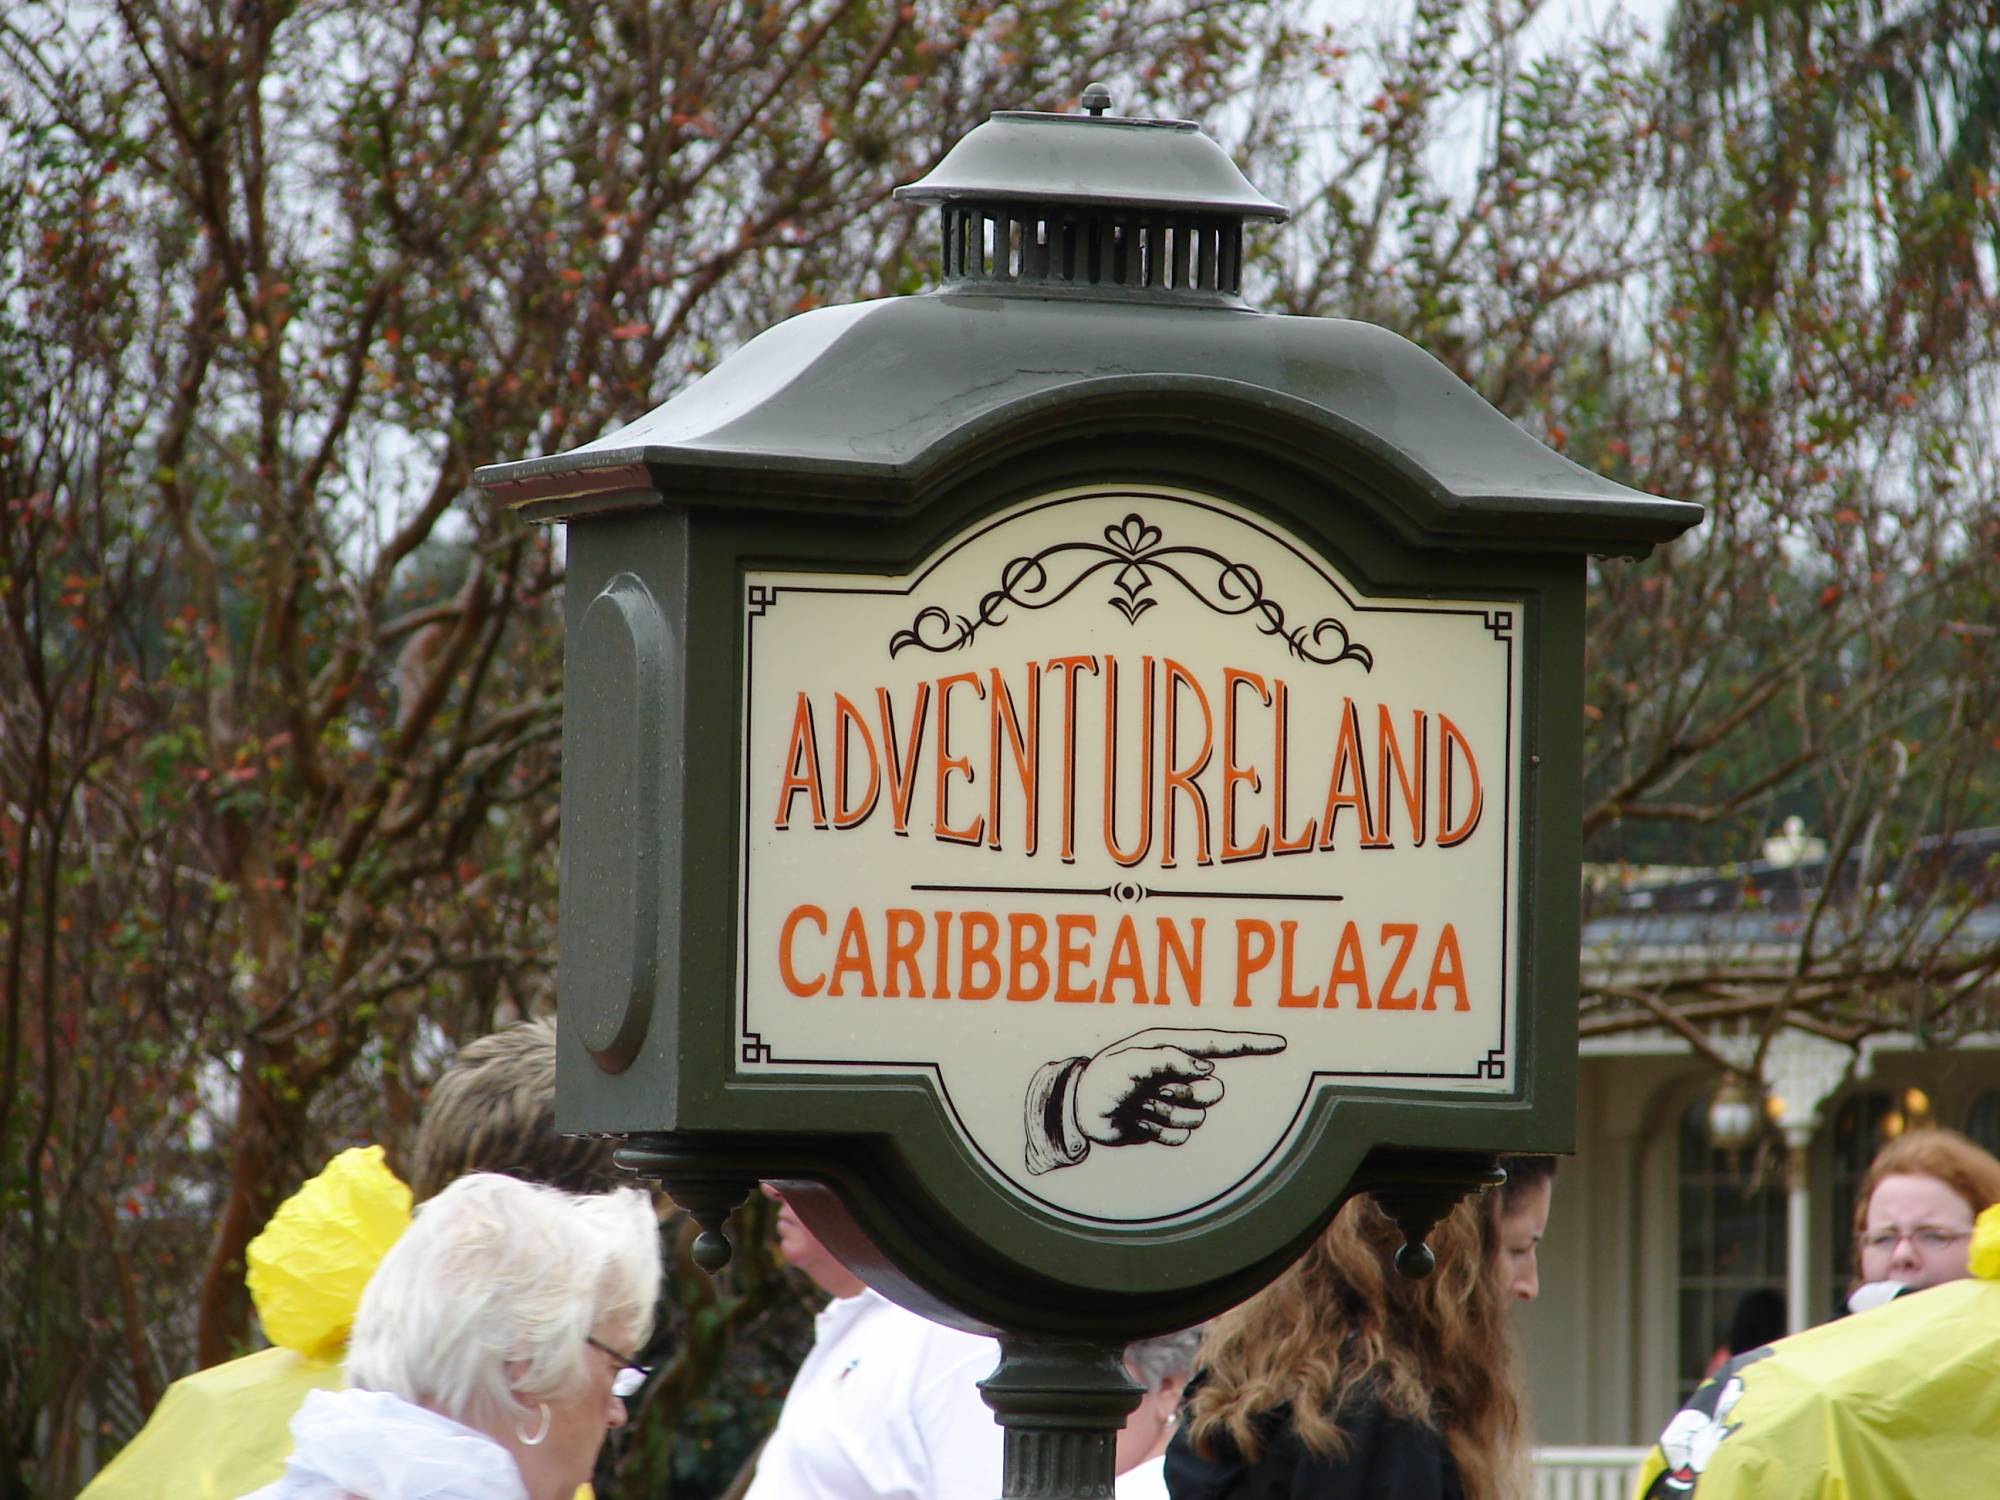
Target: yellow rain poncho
225, 1431
1900, 1401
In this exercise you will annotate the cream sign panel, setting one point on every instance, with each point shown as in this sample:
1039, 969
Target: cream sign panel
1130, 824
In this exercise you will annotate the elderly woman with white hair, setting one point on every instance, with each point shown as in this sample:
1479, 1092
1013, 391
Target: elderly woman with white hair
490, 1351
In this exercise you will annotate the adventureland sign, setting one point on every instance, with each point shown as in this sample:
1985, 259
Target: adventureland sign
1131, 824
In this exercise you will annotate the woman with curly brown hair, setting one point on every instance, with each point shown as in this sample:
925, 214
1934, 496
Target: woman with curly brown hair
1345, 1378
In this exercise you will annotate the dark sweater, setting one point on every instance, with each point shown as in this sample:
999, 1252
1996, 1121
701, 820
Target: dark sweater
1388, 1458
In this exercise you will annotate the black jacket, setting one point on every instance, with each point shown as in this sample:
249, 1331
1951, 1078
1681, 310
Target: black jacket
1388, 1458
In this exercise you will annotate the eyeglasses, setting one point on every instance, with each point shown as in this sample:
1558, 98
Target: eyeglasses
631, 1374
1923, 1237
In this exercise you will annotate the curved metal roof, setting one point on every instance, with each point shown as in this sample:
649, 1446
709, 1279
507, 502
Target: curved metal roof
864, 405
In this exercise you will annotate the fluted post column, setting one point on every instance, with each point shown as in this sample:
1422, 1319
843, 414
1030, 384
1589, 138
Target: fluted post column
1062, 1403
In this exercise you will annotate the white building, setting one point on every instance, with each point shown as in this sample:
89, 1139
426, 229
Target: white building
1657, 1232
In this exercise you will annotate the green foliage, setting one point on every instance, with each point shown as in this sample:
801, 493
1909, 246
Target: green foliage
279, 751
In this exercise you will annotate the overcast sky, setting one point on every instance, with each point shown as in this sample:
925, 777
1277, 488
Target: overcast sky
1556, 17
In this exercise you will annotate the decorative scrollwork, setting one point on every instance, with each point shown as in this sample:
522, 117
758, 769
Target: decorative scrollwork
934, 629
1134, 552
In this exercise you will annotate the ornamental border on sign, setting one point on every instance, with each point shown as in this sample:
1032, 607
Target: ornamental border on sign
761, 598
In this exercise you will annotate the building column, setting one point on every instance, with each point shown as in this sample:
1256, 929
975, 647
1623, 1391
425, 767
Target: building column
1801, 1071
1798, 1228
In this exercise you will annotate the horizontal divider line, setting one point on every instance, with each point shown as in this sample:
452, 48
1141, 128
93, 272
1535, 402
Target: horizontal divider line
1140, 894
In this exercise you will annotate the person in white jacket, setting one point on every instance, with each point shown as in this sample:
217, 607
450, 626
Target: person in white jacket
886, 1405
489, 1351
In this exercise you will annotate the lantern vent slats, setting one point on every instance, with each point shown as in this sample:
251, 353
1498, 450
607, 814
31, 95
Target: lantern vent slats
1168, 258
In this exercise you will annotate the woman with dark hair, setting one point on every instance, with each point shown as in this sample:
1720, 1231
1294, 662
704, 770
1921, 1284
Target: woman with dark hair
1345, 1378
1517, 1218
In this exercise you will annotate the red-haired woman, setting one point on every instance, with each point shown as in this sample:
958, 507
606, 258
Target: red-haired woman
1913, 1217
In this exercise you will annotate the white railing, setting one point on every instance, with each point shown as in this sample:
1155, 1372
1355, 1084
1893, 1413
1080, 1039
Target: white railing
1586, 1473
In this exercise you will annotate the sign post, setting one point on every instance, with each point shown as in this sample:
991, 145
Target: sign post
1071, 776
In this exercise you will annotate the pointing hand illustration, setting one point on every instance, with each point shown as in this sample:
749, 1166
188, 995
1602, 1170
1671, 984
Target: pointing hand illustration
1156, 1085
1159, 1084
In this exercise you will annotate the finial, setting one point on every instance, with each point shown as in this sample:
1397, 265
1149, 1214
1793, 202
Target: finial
707, 1191
711, 1249
1415, 1260
1096, 100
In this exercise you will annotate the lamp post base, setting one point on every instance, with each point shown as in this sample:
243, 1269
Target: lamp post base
1062, 1403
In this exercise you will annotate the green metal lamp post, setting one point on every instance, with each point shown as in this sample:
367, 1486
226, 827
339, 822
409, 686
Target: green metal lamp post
1070, 776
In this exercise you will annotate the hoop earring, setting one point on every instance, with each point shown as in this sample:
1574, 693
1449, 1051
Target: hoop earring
541, 1432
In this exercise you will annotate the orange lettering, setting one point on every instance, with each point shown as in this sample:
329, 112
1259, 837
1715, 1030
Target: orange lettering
1405, 933
1389, 756
1182, 778
943, 964
1286, 995
1348, 968
1069, 666
852, 957
1124, 964
1025, 956
948, 763
1280, 779
1348, 764
786, 972
1070, 953
1232, 679
1144, 841
1449, 836
801, 769
903, 768
846, 716
1003, 719
978, 950
1447, 976
1189, 966
1251, 955
905, 941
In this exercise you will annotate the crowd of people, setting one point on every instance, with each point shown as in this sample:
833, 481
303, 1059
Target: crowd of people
496, 1340
226, 1431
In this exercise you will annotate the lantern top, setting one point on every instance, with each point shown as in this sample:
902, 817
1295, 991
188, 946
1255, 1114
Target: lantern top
1094, 160
1093, 205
